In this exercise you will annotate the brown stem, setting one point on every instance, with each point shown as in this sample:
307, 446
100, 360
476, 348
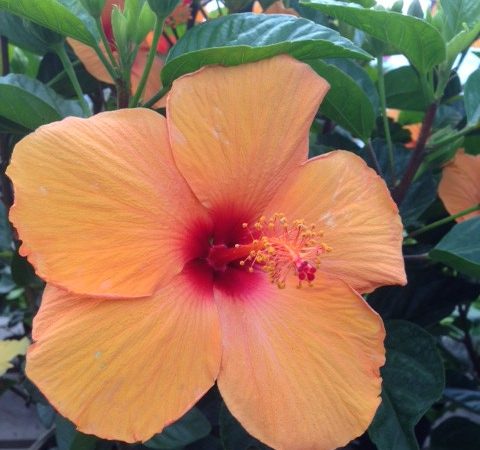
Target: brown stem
123, 95
467, 339
416, 159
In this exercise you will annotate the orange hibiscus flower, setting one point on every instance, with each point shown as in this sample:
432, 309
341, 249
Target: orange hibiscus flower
277, 7
459, 188
95, 67
164, 243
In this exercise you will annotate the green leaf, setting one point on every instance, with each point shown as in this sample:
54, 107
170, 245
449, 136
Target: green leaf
420, 42
415, 9
66, 17
30, 103
413, 379
235, 6
68, 438
460, 248
346, 103
472, 98
403, 90
454, 434
361, 77
240, 38
458, 13
461, 41
192, 427
234, 436
14, 28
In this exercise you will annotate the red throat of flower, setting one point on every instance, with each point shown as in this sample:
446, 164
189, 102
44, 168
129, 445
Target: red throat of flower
277, 247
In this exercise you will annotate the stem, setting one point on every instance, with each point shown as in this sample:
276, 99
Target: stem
157, 31
106, 44
454, 136
373, 156
386, 127
61, 74
149, 103
67, 65
444, 221
416, 159
4, 55
122, 94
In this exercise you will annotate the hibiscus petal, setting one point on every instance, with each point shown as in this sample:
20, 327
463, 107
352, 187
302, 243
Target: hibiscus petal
124, 369
237, 132
100, 205
353, 208
89, 58
459, 188
154, 83
300, 367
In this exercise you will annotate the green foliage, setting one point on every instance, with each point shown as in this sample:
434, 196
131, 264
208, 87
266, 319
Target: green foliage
457, 432
233, 40
404, 90
412, 380
346, 103
68, 438
30, 103
192, 427
234, 436
460, 248
421, 43
65, 17
472, 98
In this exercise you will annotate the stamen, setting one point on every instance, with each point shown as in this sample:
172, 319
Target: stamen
281, 248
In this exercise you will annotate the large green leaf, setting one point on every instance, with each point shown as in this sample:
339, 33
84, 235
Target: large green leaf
68, 438
413, 378
30, 103
241, 38
66, 17
346, 103
403, 90
15, 29
472, 98
458, 13
192, 427
361, 77
460, 248
234, 436
420, 42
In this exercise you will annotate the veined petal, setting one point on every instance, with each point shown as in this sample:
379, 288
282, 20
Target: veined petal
124, 369
251, 128
300, 367
99, 204
154, 83
89, 58
351, 205
459, 188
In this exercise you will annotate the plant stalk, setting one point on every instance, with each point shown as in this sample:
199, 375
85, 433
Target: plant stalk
386, 127
416, 159
448, 219
157, 31
67, 65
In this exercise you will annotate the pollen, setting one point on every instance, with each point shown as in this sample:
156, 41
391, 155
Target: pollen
282, 248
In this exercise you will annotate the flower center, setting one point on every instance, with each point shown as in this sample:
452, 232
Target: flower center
277, 247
